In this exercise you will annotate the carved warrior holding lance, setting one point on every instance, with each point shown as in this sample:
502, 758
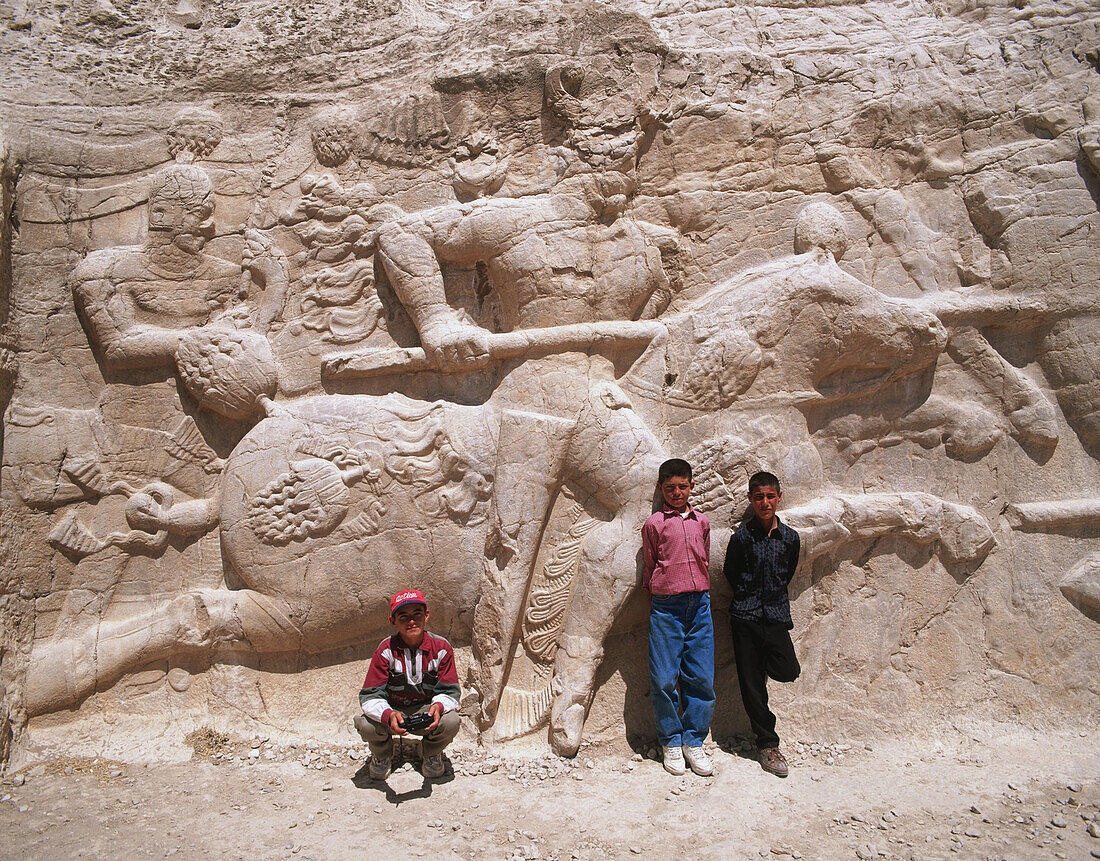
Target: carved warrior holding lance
570, 271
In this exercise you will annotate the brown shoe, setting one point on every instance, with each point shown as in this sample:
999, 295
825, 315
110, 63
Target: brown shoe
772, 761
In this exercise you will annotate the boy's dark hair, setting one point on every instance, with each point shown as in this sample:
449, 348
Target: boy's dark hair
763, 479
674, 468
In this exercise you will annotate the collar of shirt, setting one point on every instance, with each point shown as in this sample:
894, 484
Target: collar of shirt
758, 531
668, 511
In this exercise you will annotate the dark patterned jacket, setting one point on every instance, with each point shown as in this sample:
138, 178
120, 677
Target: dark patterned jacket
759, 567
407, 679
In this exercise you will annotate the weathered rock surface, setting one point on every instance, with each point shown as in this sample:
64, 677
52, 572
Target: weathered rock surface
303, 303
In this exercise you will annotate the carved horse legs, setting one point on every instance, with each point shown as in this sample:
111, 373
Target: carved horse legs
531, 458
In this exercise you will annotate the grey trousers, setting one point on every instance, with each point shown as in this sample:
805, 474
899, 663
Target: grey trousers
379, 738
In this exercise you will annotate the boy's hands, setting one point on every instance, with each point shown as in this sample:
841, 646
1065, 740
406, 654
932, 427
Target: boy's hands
397, 723
397, 720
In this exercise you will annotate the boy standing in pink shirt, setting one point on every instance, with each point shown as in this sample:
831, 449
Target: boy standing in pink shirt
676, 553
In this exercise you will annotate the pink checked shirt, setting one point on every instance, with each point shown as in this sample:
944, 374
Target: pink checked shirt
676, 552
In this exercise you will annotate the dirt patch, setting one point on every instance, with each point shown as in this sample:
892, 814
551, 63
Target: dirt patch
209, 744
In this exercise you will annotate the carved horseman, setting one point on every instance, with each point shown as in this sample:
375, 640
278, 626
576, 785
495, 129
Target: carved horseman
567, 259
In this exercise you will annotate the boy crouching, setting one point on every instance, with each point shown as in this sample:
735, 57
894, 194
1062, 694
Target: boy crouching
411, 686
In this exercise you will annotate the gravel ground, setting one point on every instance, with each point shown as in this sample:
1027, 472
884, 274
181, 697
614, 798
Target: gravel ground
1003, 793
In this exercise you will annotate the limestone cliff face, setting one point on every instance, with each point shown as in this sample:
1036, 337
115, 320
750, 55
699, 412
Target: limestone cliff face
301, 304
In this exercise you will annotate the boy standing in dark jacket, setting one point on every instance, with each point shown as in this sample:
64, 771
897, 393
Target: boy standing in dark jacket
760, 561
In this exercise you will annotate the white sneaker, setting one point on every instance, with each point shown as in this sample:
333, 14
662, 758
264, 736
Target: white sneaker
379, 767
674, 760
433, 766
699, 761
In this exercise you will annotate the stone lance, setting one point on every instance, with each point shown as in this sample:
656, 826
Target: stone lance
502, 345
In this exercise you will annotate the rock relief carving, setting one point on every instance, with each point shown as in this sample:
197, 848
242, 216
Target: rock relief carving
413, 132
1081, 585
154, 512
313, 497
570, 272
9, 364
937, 268
334, 137
628, 270
885, 340
58, 457
534, 454
574, 274
194, 133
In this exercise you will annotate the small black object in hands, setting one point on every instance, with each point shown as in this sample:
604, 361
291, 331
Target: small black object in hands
418, 722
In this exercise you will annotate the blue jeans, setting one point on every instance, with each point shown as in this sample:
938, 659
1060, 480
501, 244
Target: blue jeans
681, 650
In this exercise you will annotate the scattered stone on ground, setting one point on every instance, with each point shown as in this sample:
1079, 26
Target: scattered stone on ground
1029, 796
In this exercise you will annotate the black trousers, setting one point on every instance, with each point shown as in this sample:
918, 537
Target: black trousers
762, 650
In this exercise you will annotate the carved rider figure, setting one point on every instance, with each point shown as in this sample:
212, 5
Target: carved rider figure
568, 258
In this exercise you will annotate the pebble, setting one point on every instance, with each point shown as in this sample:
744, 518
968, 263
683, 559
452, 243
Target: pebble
866, 852
18, 779
1058, 822
1074, 787
1093, 829
636, 850
973, 832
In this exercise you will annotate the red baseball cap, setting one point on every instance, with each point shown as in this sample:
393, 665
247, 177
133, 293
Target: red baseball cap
407, 596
